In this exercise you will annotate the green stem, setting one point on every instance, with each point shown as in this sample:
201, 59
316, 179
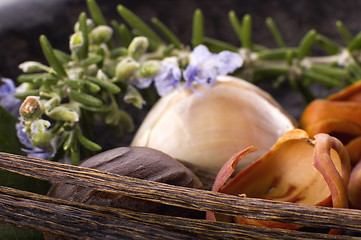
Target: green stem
319, 78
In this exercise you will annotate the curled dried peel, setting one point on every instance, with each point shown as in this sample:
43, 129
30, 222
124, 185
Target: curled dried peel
325, 165
296, 169
354, 187
340, 119
319, 110
351, 93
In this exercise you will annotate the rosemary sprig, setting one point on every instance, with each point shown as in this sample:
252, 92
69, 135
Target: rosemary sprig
99, 76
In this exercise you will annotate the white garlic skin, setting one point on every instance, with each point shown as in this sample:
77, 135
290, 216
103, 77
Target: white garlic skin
207, 130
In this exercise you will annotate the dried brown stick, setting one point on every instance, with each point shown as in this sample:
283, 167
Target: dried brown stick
184, 197
77, 220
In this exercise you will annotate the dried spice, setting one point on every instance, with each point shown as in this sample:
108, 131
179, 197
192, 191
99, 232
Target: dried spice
296, 169
137, 162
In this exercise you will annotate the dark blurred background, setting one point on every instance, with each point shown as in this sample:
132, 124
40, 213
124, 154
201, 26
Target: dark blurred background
23, 21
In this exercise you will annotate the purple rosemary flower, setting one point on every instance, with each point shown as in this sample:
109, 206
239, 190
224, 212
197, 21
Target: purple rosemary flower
31, 150
165, 80
142, 83
7, 98
205, 66
168, 77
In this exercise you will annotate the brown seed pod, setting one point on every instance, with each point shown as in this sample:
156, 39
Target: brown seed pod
137, 162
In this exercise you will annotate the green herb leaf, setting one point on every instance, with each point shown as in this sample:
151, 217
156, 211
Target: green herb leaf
236, 24
82, 53
355, 43
247, 32
344, 32
85, 99
215, 45
327, 44
306, 44
88, 144
23, 95
108, 86
167, 32
95, 12
134, 21
51, 57
123, 33
275, 32
198, 28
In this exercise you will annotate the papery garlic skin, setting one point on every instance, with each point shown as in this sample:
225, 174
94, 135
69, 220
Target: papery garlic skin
207, 127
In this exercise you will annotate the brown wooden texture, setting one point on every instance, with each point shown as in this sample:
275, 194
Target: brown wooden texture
76, 220
184, 197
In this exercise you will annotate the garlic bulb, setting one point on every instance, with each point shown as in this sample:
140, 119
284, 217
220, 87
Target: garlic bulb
207, 128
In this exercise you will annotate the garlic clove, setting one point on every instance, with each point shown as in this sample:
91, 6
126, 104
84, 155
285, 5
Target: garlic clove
206, 128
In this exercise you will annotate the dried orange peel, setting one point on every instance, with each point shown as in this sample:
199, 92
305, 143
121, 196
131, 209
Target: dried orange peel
296, 169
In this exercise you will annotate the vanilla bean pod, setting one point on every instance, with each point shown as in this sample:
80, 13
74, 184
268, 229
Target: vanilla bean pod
184, 197
76, 220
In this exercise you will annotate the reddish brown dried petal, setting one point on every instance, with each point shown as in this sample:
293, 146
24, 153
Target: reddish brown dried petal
226, 172
354, 187
323, 162
351, 93
287, 173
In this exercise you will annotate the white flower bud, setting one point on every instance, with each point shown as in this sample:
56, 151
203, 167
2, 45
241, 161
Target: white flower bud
101, 34
76, 41
149, 68
126, 68
138, 47
63, 113
32, 66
